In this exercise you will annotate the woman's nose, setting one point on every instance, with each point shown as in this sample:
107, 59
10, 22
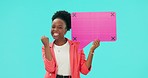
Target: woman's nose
55, 29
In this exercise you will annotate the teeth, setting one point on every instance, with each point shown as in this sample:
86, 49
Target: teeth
55, 34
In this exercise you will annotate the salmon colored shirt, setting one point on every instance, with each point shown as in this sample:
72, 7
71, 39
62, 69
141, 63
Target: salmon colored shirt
77, 61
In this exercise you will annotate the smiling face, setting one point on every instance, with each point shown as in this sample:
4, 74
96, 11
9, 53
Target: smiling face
58, 29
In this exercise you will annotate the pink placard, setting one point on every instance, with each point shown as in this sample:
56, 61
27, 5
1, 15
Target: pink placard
88, 26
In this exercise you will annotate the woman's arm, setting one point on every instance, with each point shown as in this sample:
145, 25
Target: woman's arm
47, 56
45, 42
96, 43
86, 64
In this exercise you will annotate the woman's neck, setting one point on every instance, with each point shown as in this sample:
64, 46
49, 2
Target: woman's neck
60, 42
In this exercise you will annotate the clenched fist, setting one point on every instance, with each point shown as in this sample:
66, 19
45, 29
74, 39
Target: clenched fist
45, 41
96, 44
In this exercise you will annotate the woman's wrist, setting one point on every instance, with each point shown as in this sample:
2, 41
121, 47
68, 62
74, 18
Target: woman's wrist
91, 51
46, 45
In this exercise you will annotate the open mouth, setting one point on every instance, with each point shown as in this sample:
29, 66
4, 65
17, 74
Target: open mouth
55, 34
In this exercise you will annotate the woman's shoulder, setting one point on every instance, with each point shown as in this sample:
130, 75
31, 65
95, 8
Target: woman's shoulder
73, 42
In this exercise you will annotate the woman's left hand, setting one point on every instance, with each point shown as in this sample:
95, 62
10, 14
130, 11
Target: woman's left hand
96, 44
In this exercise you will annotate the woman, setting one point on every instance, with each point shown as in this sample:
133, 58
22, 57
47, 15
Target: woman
62, 58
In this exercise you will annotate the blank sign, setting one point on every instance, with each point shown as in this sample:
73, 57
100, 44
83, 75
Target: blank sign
88, 26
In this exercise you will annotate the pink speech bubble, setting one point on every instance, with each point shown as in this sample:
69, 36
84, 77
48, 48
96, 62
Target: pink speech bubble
88, 26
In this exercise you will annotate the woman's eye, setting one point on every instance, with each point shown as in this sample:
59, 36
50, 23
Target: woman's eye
60, 27
53, 27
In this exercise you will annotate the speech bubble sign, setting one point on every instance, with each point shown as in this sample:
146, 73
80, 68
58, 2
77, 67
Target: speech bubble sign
88, 26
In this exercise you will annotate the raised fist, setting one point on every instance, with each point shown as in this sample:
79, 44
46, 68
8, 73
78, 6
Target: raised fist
45, 41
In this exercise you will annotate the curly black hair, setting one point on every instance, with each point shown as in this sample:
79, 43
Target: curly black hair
64, 15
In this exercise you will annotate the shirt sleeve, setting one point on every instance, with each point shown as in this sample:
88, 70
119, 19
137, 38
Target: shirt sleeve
49, 64
83, 68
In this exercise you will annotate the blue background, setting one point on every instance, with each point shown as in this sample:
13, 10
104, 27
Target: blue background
23, 22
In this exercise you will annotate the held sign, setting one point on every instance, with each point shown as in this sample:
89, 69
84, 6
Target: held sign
88, 26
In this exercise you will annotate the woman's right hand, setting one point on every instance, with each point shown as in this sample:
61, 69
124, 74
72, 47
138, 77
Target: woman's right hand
45, 41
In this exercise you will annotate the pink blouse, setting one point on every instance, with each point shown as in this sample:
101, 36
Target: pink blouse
77, 61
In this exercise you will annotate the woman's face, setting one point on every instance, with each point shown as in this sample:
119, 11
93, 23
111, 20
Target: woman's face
58, 29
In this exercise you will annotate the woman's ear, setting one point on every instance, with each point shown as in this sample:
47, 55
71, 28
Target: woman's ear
65, 31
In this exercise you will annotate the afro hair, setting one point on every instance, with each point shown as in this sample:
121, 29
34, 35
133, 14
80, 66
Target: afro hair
64, 15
